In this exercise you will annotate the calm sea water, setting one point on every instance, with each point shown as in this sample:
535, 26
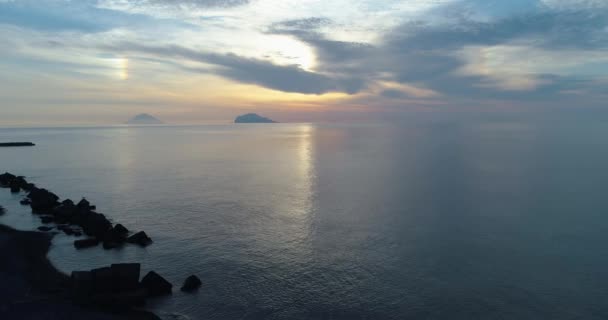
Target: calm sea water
444, 220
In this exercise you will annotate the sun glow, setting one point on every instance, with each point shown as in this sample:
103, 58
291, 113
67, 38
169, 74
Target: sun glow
121, 65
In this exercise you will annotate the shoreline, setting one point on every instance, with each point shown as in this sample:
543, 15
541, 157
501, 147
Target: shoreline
32, 288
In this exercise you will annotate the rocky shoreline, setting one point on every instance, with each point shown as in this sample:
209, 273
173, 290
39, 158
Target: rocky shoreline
116, 288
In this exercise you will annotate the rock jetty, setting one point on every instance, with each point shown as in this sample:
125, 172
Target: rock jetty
73, 219
117, 287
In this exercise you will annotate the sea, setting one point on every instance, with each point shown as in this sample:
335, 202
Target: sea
467, 219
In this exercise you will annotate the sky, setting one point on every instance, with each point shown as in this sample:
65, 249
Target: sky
199, 61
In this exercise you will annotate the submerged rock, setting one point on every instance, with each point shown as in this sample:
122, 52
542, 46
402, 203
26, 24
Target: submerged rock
47, 219
192, 283
156, 285
43, 228
86, 243
140, 238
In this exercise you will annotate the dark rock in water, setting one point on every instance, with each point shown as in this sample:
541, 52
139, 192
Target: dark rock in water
252, 118
108, 245
115, 288
2, 210
84, 205
140, 238
120, 229
67, 229
14, 185
192, 283
125, 276
156, 285
25, 202
47, 219
77, 233
16, 144
42, 200
65, 211
43, 228
86, 243
6, 179
95, 224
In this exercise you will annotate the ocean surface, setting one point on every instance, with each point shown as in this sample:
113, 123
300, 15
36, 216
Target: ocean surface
433, 220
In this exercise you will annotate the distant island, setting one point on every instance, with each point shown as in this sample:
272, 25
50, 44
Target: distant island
144, 118
252, 118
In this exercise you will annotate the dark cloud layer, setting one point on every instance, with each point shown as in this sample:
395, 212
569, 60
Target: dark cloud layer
426, 54
290, 78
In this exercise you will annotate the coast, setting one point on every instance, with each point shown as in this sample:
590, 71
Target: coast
32, 288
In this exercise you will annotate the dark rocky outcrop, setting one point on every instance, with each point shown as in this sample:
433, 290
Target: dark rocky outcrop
6, 179
125, 276
25, 202
15, 187
16, 144
47, 219
140, 238
86, 243
120, 229
2, 210
42, 200
192, 283
117, 287
43, 228
156, 285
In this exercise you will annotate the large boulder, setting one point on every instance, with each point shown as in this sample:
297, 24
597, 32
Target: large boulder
102, 280
120, 229
140, 238
42, 200
6, 179
47, 219
156, 285
95, 224
86, 243
66, 211
192, 283
84, 205
115, 237
15, 187
125, 276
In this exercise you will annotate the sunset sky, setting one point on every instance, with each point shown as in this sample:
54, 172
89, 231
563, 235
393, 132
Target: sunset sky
196, 61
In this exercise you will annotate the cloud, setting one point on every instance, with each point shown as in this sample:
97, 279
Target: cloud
289, 78
430, 53
174, 3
